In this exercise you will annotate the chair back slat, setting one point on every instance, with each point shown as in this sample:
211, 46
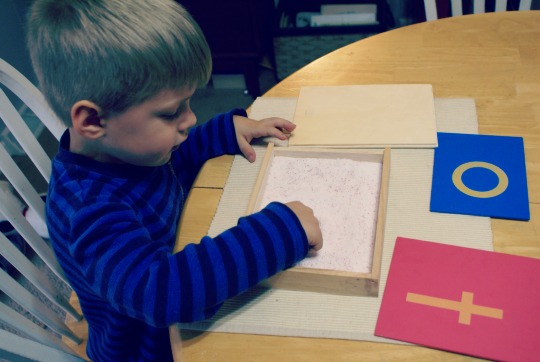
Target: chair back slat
21, 183
478, 7
12, 345
19, 129
525, 5
431, 10
500, 5
9, 208
39, 279
32, 304
457, 8
26, 328
31, 96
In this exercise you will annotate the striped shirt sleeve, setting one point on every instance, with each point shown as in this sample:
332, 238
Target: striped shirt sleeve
144, 280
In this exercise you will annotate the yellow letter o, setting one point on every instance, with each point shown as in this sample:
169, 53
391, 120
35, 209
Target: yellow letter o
496, 191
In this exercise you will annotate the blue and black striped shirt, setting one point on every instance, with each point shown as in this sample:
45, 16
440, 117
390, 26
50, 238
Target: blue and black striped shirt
113, 229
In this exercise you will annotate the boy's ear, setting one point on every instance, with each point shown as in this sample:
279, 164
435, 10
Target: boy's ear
86, 119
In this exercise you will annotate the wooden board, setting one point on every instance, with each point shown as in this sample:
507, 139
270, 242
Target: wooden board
366, 116
335, 281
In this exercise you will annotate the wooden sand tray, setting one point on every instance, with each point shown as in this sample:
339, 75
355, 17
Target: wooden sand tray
330, 275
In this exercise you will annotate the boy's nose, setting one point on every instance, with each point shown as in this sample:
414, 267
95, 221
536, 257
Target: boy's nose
191, 121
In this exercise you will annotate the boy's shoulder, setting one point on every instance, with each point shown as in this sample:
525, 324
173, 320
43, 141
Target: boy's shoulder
84, 184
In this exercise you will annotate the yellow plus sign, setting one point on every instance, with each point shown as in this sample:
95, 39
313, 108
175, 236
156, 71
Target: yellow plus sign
465, 307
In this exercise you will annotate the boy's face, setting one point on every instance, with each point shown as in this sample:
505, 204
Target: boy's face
147, 134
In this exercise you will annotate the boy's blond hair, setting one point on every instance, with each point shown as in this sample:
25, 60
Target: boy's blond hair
114, 53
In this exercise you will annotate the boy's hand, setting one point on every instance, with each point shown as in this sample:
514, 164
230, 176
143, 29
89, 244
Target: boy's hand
247, 129
309, 223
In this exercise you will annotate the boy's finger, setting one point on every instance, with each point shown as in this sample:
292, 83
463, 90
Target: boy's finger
248, 151
288, 127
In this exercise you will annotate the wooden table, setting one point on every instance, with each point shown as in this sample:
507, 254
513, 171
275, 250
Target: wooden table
493, 58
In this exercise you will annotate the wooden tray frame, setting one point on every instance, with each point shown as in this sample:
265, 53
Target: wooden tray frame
321, 280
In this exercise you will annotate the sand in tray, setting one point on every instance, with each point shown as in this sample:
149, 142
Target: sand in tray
343, 194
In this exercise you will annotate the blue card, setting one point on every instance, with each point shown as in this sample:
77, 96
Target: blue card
480, 175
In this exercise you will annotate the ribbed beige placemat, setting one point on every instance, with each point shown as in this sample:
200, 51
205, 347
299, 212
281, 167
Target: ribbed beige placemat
305, 314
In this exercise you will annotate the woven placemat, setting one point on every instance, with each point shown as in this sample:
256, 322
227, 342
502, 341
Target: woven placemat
307, 314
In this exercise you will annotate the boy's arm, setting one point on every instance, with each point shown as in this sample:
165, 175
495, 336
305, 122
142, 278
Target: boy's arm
261, 245
228, 133
211, 139
141, 278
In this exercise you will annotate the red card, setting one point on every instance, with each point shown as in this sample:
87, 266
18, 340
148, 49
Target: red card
462, 300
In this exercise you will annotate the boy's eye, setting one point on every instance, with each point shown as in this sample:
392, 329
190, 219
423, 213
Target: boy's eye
175, 115
170, 117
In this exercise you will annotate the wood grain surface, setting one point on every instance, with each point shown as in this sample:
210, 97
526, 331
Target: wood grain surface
493, 58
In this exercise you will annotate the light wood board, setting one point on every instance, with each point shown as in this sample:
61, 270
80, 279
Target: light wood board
366, 116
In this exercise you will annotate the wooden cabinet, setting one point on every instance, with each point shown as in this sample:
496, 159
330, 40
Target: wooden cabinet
239, 33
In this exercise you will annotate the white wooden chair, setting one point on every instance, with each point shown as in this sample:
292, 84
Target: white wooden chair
479, 6
31, 338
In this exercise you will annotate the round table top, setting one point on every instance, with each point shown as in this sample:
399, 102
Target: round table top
493, 58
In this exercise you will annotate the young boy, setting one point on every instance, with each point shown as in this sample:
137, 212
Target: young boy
120, 74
